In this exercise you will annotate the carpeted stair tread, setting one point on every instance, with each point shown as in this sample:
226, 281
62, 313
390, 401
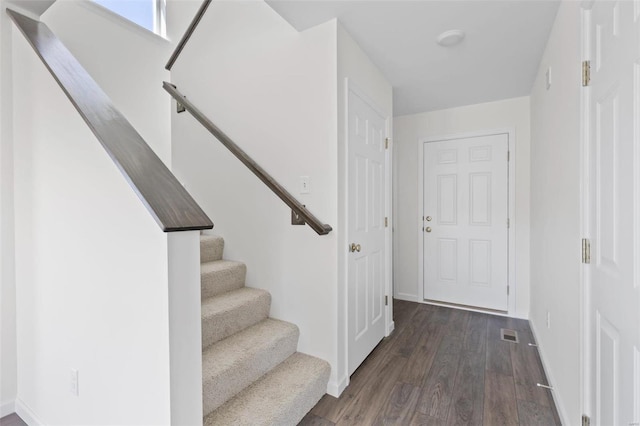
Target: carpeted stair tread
211, 247
281, 397
231, 312
232, 364
221, 276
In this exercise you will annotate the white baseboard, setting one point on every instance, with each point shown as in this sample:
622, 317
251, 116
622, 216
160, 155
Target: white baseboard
335, 389
27, 414
390, 328
562, 412
7, 407
406, 297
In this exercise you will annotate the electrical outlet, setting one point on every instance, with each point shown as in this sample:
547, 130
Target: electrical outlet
74, 382
304, 185
548, 319
548, 77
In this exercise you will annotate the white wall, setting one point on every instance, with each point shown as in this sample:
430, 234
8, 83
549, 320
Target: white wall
357, 68
555, 210
408, 130
94, 272
8, 378
126, 60
272, 90
91, 270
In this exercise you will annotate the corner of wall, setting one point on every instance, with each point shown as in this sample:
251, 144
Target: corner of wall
27, 414
8, 336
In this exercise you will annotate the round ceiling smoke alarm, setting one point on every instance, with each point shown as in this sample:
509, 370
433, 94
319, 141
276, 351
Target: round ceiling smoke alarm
450, 38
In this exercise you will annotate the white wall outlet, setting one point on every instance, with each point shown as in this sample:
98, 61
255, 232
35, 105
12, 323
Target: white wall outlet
304, 185
548, 319
548, 75
73, 385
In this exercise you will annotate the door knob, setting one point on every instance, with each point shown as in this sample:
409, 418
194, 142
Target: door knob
427, 229
428, 218
354, 247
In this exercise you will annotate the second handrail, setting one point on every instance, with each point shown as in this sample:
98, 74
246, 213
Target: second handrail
279, 190
187, 35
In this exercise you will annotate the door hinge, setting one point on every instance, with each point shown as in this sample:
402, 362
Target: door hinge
586, 250
586, 72
386, 222
508, 223
508, 289
508, 155
386, 301
586, 421
386, 143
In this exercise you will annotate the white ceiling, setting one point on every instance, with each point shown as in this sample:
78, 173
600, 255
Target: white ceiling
498, 59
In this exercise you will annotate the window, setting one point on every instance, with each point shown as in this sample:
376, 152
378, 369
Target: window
149, 14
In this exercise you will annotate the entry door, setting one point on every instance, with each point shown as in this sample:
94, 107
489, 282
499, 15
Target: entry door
366, 218
465, 232
613, 281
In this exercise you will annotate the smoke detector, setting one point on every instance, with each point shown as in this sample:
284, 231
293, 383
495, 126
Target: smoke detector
450, 38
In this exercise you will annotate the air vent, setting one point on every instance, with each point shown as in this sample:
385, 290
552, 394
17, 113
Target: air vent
509, 335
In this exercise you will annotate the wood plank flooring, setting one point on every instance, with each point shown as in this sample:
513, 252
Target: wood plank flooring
444, 366
12, 420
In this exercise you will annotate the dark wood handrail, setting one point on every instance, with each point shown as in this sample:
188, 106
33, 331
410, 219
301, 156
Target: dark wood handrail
283, 194
187, 35
158, 189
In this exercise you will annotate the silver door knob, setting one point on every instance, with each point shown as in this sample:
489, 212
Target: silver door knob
428, 218
427, 229
354, 247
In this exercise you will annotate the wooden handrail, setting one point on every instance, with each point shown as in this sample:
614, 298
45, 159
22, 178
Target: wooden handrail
164, 197
283, 194
187, 35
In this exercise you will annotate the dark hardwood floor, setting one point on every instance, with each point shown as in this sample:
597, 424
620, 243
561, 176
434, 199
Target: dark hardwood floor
444, 366
12, 420
440, 366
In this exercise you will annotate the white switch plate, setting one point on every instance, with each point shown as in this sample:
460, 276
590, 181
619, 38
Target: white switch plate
73, 385
304, 185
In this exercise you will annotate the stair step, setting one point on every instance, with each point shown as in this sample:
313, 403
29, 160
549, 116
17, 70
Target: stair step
221, 276
234, 363
232, 312
281, 397
211, 247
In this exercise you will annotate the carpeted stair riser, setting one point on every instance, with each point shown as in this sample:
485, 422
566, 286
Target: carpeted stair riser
232, 312
221, 276
211, 248
282, 397
234, 363
251, 372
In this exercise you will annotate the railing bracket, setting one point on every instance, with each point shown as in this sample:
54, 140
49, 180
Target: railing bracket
180, 107
296, 219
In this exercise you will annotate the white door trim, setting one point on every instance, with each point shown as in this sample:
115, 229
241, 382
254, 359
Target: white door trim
585, 340
510, 132
343, 242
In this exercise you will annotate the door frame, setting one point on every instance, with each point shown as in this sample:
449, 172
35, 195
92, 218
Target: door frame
511, 188
585, 217
343, 241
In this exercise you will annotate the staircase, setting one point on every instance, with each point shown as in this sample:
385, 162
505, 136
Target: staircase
252, 374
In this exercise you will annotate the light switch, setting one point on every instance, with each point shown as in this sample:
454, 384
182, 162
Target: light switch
304, 185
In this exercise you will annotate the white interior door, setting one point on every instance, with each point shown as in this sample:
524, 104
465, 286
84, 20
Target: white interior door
465, 213
366, 220
613, 284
